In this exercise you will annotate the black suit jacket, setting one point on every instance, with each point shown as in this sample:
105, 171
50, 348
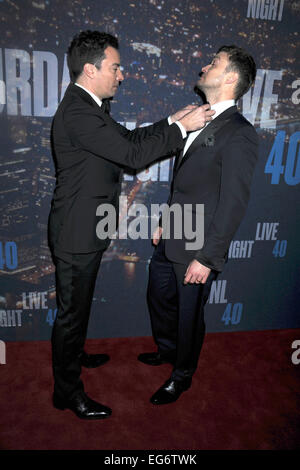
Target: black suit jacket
216, 171
90, 149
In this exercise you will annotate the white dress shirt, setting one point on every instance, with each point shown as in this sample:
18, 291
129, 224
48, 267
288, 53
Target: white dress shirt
98, 101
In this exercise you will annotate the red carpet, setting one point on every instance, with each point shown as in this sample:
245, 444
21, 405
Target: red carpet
245, 396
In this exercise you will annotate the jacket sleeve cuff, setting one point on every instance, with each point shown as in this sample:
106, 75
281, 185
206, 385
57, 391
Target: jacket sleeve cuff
216, 266
182, 129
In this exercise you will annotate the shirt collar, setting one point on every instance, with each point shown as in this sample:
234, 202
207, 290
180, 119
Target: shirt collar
221, 107
95, 98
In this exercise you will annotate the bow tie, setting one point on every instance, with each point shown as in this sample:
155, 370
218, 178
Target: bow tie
105, 106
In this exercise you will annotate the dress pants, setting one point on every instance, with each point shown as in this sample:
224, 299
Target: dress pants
177, 312
75, 282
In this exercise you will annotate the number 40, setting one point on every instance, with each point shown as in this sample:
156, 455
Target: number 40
274, 164
232, 314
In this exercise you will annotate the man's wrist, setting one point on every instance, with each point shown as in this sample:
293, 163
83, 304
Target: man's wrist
181, 127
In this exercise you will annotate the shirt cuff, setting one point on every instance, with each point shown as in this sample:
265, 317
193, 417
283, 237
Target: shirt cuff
182, 129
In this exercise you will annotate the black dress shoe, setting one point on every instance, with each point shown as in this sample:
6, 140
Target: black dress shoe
83, 406
93, 360
156, 359
170, 391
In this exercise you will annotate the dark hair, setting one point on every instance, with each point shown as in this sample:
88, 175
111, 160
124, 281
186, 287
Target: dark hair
88, 47
242, 63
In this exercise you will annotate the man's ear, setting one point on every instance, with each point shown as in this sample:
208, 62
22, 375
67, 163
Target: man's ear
89, 70
231, 78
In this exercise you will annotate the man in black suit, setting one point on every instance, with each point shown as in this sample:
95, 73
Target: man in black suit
90, 149
215, 169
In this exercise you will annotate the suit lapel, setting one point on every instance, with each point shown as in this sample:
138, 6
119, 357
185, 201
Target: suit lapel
209, 131
89, 100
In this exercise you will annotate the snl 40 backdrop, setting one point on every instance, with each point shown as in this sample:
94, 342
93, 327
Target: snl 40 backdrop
164, 45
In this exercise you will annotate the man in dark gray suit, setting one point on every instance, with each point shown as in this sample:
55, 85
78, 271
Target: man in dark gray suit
215, 169
90, 149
